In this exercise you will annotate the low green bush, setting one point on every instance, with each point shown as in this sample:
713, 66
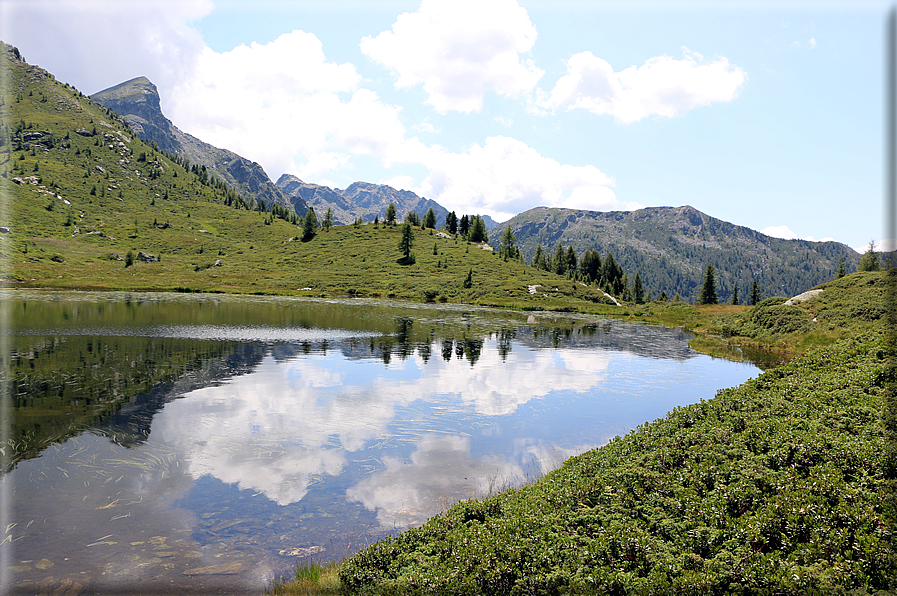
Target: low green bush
776, 486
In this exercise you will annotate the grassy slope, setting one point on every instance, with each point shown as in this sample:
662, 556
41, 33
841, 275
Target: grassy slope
777, 486
96, 200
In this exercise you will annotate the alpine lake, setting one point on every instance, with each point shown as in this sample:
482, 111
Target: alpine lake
183, 443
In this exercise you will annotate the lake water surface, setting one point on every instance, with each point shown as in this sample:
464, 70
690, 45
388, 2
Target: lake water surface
168, 443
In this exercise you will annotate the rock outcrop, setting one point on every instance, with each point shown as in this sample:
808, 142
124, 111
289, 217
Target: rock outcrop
139, 103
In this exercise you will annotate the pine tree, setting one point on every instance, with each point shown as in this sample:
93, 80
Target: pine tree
478, 230
539, 261
869, 261
842, 270
708, 289
755, 294
735, 295
464, 225
638, 290
571, 261
451, 223
508, 245
407, 241
310, 224
391, 213
590, 266
430, 219
328, 220
560, 260
469, 281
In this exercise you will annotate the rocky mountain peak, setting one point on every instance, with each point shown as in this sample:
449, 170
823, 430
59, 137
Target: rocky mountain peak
139, 103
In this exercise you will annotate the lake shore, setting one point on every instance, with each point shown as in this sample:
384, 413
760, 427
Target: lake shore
783, 484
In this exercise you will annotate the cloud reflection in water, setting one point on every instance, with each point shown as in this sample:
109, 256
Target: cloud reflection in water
279, 428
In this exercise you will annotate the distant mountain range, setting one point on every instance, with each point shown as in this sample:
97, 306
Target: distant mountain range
670, 248
139, 103
364, 200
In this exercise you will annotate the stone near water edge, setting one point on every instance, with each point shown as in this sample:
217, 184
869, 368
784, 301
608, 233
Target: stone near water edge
300, 551
223, 569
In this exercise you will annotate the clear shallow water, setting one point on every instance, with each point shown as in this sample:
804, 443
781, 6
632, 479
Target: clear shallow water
224, 439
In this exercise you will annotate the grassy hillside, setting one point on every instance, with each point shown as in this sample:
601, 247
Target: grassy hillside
80, 191
784, 485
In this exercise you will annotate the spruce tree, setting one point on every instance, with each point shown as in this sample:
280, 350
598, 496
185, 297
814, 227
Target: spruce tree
469, 281
328, 220
539, 261
708, 290
869, 261
464, 225
560, 260
508, 246
735, 295
478, 230
842, 270
391, 213
571, 262
451, 223
430, 219
309, 224
755, 293
407, 241
638, 290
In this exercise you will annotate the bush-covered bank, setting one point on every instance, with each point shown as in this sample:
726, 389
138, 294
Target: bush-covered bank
776, 486
779, 486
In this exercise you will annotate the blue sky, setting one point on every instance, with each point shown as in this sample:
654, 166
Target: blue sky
767, 115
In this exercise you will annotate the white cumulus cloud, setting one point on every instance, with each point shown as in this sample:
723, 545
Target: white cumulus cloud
458, 51
505, 176
779, 232
662, 86
284, 105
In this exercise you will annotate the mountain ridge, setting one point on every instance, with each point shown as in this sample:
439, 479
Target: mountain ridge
671, 246
138, 101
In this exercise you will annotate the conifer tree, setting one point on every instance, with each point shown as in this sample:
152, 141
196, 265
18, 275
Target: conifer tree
508, 245
464, 225
328, 220
391, 213
451, 223
560, 260
407, 241
571, 261
638, 290
469, 281
708, 289
869, 261
309, 224
430, 219
478, 230
735, 295
539, 261
755, 293
842, 270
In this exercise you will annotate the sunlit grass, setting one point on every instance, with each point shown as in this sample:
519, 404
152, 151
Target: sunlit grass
311, 578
